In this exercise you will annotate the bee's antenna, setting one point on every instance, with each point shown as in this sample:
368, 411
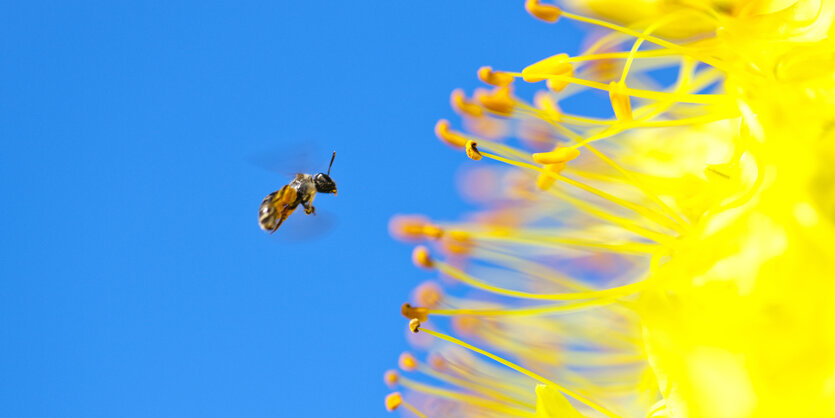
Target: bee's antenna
329, 166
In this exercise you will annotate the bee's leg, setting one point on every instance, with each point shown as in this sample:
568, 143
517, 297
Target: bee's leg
308, 208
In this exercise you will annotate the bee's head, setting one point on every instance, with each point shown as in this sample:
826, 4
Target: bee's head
324, 183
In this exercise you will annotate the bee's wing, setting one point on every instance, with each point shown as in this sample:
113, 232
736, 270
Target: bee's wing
287, 160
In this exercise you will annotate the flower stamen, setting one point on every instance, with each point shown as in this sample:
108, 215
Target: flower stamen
520, 369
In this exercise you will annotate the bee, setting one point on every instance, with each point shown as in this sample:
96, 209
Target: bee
278, 205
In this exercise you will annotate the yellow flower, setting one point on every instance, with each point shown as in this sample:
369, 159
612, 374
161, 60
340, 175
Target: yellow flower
674, 259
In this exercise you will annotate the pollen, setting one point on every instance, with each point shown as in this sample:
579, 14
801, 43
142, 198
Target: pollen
421, 257
393, 401
463, 106
472, 150
545, 12
556, 65
620, 101
494, 78
414, 312
414, 325
499, 100
390, 378
450, 137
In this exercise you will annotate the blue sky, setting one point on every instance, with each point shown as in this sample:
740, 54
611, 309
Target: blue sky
134, 280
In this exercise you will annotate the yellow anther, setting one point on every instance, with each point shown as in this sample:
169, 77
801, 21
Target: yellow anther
407, 362
472, 150
414, 325
414, 312
432, 231
408, 228
545, 102
554, 65
393, 400
421, 258
494, 78
559, 85
459, 235
458, 242
463, 106
451, 137
560, 155
546, 12
545, 181
620, 101
428, 294
499, 100
391, 377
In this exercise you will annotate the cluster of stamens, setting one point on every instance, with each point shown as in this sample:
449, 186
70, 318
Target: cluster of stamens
574, 204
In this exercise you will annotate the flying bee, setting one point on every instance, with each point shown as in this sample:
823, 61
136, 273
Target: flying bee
278, 205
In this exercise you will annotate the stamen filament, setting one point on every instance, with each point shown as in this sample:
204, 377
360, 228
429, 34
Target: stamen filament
473, 386
658, 41
640, 93
624, 223
639, 41
650, 53
539, 240
522, 370
414, 410
614, 292
463, 397
649, 214
680, 223
526, 311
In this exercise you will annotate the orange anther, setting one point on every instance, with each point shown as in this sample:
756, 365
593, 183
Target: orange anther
551, 66
407, 362
620, 101
463, 106
408, 228
432, 231
428, 294
546, 12
472, 150
458, 242
494, 78
414, 312
560, 155
436, 361
421, 258
391, 377
465, 325
451, 137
